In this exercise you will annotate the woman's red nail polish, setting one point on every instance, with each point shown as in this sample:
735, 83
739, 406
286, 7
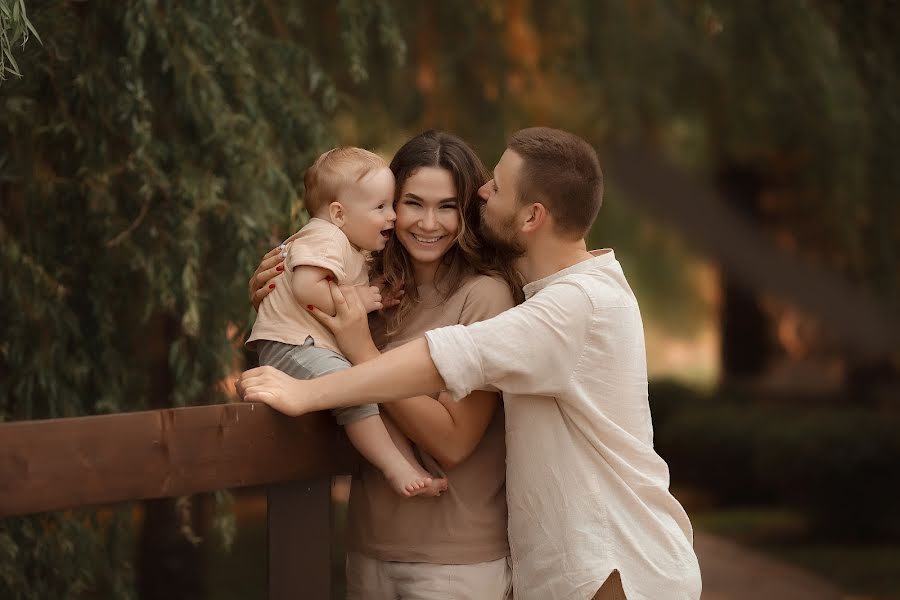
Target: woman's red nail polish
271, 286
279, 268
309, 307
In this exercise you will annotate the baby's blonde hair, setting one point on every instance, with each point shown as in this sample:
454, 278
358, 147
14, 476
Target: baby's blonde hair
333, 170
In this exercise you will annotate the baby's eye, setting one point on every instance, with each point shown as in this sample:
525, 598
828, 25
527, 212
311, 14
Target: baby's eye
381, 206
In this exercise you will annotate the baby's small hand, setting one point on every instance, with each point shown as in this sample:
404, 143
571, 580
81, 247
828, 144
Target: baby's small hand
370, 296
389, 297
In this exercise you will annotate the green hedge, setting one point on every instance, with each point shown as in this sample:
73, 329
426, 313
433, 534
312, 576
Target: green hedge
841, 466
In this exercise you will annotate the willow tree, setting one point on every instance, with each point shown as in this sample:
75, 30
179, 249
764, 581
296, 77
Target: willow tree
150, 151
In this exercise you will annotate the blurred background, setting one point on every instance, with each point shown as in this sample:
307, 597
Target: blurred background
152, 151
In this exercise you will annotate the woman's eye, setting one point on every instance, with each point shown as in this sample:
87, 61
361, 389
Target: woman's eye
381, 207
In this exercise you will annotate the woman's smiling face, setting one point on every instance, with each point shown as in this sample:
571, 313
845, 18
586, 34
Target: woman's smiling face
427, 219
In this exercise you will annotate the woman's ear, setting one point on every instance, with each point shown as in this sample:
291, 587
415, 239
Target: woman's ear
337, 213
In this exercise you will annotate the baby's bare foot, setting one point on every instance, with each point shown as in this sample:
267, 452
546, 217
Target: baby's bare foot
412, 481
434, 488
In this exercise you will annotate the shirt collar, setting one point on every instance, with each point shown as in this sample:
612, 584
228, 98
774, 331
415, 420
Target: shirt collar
602, 257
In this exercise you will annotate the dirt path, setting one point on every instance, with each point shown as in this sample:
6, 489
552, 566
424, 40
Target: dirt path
733, 572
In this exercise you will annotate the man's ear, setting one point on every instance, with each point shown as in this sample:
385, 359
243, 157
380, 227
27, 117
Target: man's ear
535, 217
337, 213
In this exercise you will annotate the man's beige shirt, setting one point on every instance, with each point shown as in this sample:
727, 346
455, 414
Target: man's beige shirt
587, 493
281, 318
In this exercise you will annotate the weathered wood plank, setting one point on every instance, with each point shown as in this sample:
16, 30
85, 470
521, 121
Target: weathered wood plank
62, 463
300, 542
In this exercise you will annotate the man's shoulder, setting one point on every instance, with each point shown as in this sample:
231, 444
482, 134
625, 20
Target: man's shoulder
605, 288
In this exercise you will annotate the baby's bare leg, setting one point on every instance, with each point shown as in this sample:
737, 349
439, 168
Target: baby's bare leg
404, 445
400, 441
403, 472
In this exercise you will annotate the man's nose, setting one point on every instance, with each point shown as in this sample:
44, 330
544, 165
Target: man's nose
483, 191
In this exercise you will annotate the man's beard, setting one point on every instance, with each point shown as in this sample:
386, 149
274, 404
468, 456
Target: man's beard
502, 237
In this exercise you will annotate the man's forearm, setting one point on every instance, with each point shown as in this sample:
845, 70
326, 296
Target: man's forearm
364, 352
403, 372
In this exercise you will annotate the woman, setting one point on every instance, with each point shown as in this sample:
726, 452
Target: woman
454, 545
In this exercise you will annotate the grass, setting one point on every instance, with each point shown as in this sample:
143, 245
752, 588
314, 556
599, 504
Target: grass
863, 570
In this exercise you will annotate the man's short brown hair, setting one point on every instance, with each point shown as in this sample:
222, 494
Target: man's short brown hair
333, 170
562, 172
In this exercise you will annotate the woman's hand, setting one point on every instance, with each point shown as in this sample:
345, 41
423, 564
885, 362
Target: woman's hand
350, 323
271, 266
275, 388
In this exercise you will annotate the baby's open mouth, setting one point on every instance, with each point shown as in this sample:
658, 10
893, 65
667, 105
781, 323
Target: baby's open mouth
386, 233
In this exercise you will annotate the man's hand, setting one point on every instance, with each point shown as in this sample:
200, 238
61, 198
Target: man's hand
275, 388
370, 296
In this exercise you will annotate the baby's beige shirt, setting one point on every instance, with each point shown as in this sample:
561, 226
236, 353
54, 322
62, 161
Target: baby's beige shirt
318, 244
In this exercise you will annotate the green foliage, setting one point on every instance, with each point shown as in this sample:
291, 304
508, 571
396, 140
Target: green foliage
151, 147
83, 554
837, 466
712, 445
153, 151
832, 463
14, 26
801, 94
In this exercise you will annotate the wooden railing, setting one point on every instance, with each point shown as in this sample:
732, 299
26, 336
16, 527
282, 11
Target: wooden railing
64, 463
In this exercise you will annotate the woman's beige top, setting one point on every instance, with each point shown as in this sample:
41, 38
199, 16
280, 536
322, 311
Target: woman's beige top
587, 493
467, 523
281, 318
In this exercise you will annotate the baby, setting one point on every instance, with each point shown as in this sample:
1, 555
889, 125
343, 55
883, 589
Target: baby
349, 194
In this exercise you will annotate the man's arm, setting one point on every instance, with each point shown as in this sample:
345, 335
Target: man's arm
532, 349
403, 372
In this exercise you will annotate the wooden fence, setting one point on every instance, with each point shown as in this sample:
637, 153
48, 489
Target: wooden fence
64, 463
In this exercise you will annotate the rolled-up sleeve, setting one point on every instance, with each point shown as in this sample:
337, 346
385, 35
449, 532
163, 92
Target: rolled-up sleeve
456, 357
532, 348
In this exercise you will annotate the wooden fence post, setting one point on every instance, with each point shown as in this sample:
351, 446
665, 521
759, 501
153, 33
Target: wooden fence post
300, 538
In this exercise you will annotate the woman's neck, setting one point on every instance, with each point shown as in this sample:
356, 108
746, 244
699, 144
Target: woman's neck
425, 273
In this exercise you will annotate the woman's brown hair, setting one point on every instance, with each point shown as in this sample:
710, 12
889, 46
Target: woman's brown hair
471, 254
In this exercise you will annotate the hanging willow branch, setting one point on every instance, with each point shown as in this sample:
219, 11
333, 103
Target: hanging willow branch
14, 25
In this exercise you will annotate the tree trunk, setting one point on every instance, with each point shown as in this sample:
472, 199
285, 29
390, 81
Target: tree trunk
170, 566
745, 328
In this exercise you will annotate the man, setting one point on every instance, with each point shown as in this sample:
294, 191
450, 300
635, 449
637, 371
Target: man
590, 514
